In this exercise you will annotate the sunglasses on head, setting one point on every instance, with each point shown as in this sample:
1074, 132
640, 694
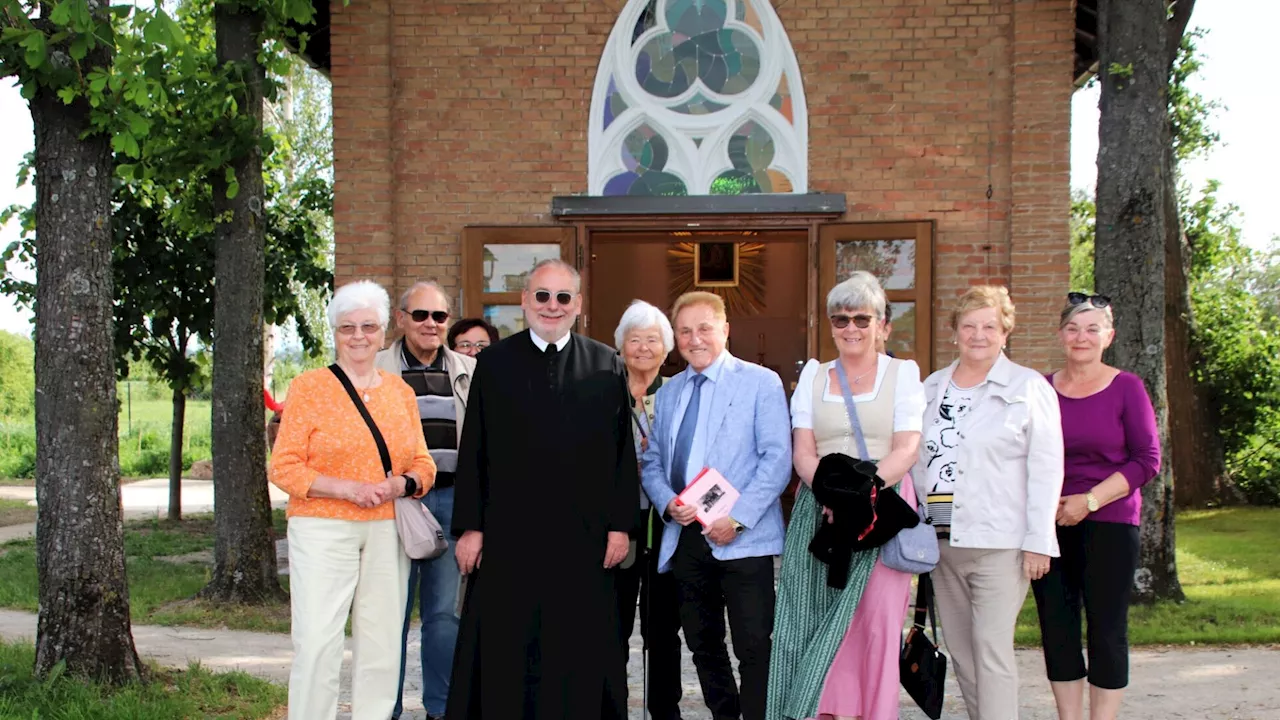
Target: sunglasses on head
421, 315
861, 322
1098, 301
544, 296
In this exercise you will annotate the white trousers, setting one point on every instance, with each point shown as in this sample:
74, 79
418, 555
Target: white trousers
331, 564
979, 594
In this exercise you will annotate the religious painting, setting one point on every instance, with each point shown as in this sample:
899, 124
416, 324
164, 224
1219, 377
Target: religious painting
732, 270
715, 264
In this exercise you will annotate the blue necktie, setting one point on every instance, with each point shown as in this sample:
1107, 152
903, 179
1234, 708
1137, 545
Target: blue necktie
684, 436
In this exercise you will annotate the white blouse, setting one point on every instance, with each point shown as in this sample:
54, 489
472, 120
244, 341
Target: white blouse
908, 403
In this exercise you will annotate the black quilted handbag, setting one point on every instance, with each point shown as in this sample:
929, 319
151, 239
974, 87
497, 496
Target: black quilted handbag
922, 666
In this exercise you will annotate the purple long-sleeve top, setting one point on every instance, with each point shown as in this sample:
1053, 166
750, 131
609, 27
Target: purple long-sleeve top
1112, 430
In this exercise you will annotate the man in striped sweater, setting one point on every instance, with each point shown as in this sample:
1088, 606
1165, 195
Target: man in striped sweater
441, 379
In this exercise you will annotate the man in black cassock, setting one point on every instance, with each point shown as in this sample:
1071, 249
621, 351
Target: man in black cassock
545, 495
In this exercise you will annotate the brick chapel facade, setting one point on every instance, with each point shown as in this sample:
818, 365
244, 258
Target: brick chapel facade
465, 128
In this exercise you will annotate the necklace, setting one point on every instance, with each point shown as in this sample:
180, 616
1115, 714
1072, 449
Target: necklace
364, 391
857, 379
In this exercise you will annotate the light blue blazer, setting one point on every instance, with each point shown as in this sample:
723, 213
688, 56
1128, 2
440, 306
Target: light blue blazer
750, 445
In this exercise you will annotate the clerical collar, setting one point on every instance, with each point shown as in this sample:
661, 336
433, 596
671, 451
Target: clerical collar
542, 344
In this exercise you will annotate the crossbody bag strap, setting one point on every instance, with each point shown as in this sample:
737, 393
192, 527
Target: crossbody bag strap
364, 413
924, 605
853, 411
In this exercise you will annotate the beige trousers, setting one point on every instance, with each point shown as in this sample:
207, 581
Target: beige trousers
337, 567
979, 594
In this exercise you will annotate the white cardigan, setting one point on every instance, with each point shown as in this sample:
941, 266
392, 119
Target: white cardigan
1009, 474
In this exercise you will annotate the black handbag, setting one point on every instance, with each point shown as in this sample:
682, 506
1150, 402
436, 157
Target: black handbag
922, 667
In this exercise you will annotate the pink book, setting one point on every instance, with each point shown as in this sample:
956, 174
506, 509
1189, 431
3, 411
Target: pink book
712, 494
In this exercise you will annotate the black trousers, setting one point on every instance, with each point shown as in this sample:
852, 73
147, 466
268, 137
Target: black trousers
707, 588
1096, 570
659, 622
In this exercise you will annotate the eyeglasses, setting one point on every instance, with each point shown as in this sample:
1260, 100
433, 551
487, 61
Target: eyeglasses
467, 345
861, 322
543, 297
1098, 301
364, 328
421, 315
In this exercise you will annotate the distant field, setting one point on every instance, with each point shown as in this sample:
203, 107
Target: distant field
144, 440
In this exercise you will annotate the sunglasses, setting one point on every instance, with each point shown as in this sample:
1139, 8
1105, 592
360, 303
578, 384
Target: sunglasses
543, 297
421, 315
862, 322
1098, 301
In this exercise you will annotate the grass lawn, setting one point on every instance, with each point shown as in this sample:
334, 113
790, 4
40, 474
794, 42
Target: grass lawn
1230, 571
161, 592
16, 512
193, 693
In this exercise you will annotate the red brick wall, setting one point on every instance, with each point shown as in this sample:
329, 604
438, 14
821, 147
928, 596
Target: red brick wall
475, 112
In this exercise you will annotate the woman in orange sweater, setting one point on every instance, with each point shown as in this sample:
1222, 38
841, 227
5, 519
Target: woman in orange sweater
343, 544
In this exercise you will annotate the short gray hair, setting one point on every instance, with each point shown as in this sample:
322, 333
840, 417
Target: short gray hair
558, 264
639, 316
1070, 312
861, 290
359, 295
423, 285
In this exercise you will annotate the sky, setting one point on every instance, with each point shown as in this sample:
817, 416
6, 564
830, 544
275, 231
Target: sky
1236, 71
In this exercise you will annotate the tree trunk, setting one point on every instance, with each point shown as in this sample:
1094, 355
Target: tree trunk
84, 600
175, 455
244, 552
1130, 265
1199, 460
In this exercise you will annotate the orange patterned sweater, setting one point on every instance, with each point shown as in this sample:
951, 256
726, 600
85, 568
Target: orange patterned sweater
322, 433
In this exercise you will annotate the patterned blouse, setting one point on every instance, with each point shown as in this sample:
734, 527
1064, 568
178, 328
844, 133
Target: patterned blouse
322, 433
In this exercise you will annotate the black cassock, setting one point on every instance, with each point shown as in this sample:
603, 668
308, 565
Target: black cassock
546, 469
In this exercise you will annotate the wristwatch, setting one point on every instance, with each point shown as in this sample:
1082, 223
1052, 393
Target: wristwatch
1091, 502
737, 526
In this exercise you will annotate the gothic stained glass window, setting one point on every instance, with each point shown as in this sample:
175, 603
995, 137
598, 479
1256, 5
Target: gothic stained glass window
698, 97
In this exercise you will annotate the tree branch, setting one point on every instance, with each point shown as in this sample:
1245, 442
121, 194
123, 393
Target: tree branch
1178, 22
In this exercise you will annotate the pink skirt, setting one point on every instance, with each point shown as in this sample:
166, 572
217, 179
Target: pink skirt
863, 679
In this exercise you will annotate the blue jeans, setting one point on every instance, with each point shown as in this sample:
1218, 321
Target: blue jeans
436, 583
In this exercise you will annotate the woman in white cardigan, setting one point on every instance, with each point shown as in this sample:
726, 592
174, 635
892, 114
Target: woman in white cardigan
990, 472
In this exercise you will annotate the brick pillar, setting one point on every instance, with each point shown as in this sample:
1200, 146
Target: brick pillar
362, 160
1041, 174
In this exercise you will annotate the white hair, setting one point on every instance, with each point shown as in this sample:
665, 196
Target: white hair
861, 290
641, 316
359, 295
423, 285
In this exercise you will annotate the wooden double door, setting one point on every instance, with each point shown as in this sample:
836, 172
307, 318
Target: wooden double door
773, 277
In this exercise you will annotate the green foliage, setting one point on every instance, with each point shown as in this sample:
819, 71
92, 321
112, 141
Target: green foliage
1239, 340
192, 693
1190, 112
1083, 214
17, 376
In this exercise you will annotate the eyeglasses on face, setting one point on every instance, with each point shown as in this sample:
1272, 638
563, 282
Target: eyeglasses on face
862, 322
1098, 301
365, 329
543, 297
468, 345
421, 315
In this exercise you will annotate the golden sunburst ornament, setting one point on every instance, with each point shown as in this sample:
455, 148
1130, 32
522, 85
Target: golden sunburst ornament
732, 270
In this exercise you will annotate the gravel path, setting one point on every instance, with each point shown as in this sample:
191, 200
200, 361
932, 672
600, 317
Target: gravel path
1181, 683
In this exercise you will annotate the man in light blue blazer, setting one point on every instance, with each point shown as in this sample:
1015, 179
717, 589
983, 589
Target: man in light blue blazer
730, 415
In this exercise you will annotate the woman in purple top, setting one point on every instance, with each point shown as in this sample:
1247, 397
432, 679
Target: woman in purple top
1109, 433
